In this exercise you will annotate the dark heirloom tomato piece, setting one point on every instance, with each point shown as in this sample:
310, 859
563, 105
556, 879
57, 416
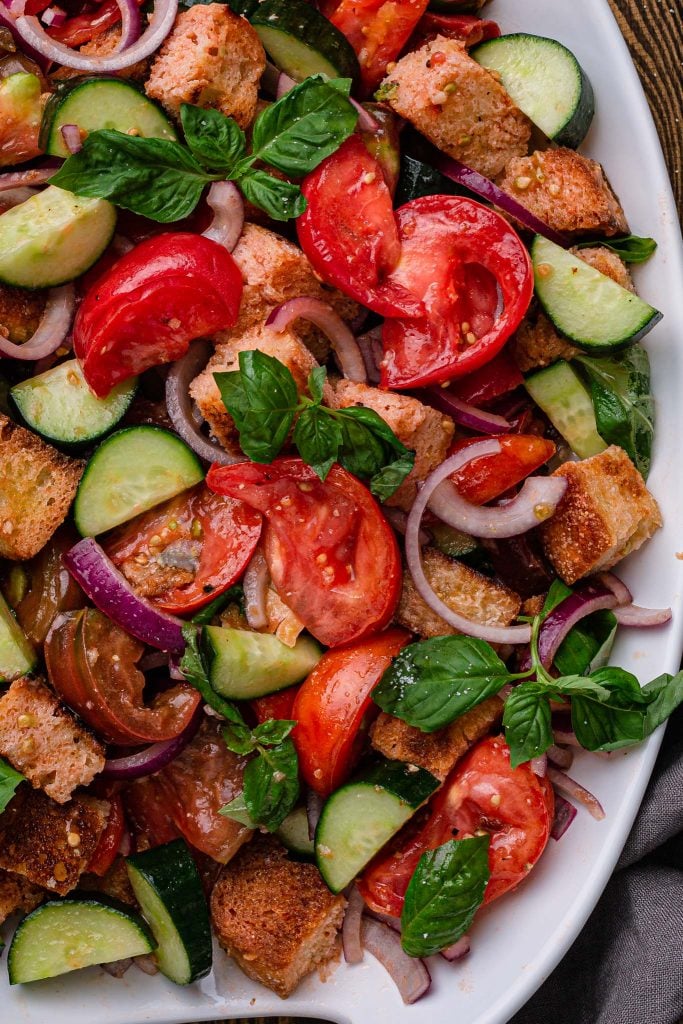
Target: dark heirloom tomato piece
498, 377
466, 27
91, 663
52, 589
332, 556
378, 30
183, 554
110, 840
333, 707
513, 805
489, 476
147, 814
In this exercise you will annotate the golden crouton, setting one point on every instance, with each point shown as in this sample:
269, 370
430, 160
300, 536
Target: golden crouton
458, 105
114, 883
37, 486
20, 312
101, 46
439, 751
50, 844
17, 894
567, 191
606, 512
608, 263
44, 742
275, 916
427, 432
212, 58
464, 591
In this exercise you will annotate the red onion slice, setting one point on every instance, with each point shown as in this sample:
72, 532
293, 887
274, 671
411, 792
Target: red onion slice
370, 345
71, 134
409, 974
12, 197
111, 592
131, 24
53, 17
479, 420
564, 816
644, 618
539, 766
458, 950
314, 807
559, 757
351, 928
255, 584
584, 601
154, 758
228, 214
344, 345
17, 179
51, 331
572, 788
617, 586
7, 20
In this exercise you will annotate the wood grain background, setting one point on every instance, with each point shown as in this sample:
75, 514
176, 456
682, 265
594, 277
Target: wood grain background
653, 30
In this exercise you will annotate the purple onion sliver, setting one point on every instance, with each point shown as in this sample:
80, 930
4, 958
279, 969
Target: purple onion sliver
584, 601
314, 806
617, 586
564, 816
409, 974
478, 420
458, 950
561, 757
539, 766
342, 341
571, 788
641, 618
227, 204
351, 928
50, 332
153, 758
71, 135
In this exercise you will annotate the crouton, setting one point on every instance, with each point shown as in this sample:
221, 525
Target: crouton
608, 263
44, 742
114, 883
37, 486
20, 312
212, 58
50, 844
463, 589
17, 894
103, 45
458, 105
567, 191
274, 916
606, 513
427, 432
438, 752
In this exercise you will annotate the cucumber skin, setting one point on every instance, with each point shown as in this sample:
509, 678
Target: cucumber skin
293, 675
21, 657
310, 28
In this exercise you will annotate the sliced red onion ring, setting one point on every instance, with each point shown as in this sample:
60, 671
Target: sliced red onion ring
399, 520
559, 757
111, 592
539, 766
131, 24
476, 182
634, 615
351, 928
53, 17
584, 601
409, 974
564, 816
228, 214
8, 21
366, 122
466, 415
17, 179
617, 586
154, 758
572, 788
370, 345
71, 134
344, 345
283, 85
314, 806
12, 197
126, 845
255, 583
51, 331
567, 738
458, 950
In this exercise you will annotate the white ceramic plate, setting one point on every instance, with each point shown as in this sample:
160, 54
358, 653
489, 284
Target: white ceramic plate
518, 941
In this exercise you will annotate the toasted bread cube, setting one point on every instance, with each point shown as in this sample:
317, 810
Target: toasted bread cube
464, 591
44, 742
37, 486
212, 58
606, 513
275, 916
114, 883
608, 263
17, 894
567, 191
50, 844
20, 310
458, 105
103, 45
438, 752
427, 432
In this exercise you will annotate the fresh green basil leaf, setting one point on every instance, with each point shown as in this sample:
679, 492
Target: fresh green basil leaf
666, 695
9, 780
271, 785
214, 139
316, 383
317, 437
602, 726
631, 248
156, 178
388, 479
588, 645
234, 595
262, 398
431, 683
621, 685
238, 738
371, 450
237, 808
273, 731
527, 722
567, 686
194, 669
558, 592
443, 895
342, 85
281, 200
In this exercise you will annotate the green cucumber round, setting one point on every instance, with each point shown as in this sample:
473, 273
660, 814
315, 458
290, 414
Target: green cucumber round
243, 665
561, 394
293, 833
301, 42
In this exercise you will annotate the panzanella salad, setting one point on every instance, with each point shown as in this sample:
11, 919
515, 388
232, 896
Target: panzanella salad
326, 416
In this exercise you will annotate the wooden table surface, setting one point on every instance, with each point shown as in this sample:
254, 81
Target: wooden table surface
653, 30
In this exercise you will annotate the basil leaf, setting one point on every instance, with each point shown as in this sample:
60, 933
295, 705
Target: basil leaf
214, 139
555, 596
273, 732
588, 645
443, 895
238, 737
431, 683
601, 726
194, 670
371, 450
262, 398
156, 178
237, 810
280, 199
271, 785
621, 685
316, 383
631, 248
527, 722
623, 403
666, 693
385, 482
9, 780
317, 437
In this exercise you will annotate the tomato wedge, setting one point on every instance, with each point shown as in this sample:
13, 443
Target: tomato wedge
332, 708
489, 476
490, 381
378, 30
453, 250
199, 534
513, 805
278, 705
147, 813
349, 231
84, 27
332, 556
110, 840
145, 310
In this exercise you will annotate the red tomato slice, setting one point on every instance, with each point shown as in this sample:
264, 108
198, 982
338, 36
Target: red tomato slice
147, 814
276, 705
146, 309
217, 534
452, 248
333, 558
489, 476
333, 705
84, 27
467, 27
483, 792
110, 840
378, 30
490, 381
349, 232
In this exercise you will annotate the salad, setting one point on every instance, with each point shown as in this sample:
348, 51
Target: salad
325, 418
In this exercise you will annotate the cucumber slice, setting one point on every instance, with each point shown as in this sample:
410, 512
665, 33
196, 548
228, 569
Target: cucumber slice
132, 471
17, 656
59, 405
362, 816
66, 935
243, 665
545, 81
293, 833
93, 103
561, 394
167, 886
418, 179
301, 42
53, 238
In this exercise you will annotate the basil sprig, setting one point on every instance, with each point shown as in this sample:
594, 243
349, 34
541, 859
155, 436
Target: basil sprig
9, 780
164, 180
263, 400
631, 248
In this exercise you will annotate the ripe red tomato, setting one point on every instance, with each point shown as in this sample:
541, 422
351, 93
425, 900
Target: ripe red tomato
332, 557
378, 30
332, 707
85, 26
489, 476
466, 27
151, 304
110, 840
513, 805
490, 381
147, 814
278, 705
214, 535
453, 253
